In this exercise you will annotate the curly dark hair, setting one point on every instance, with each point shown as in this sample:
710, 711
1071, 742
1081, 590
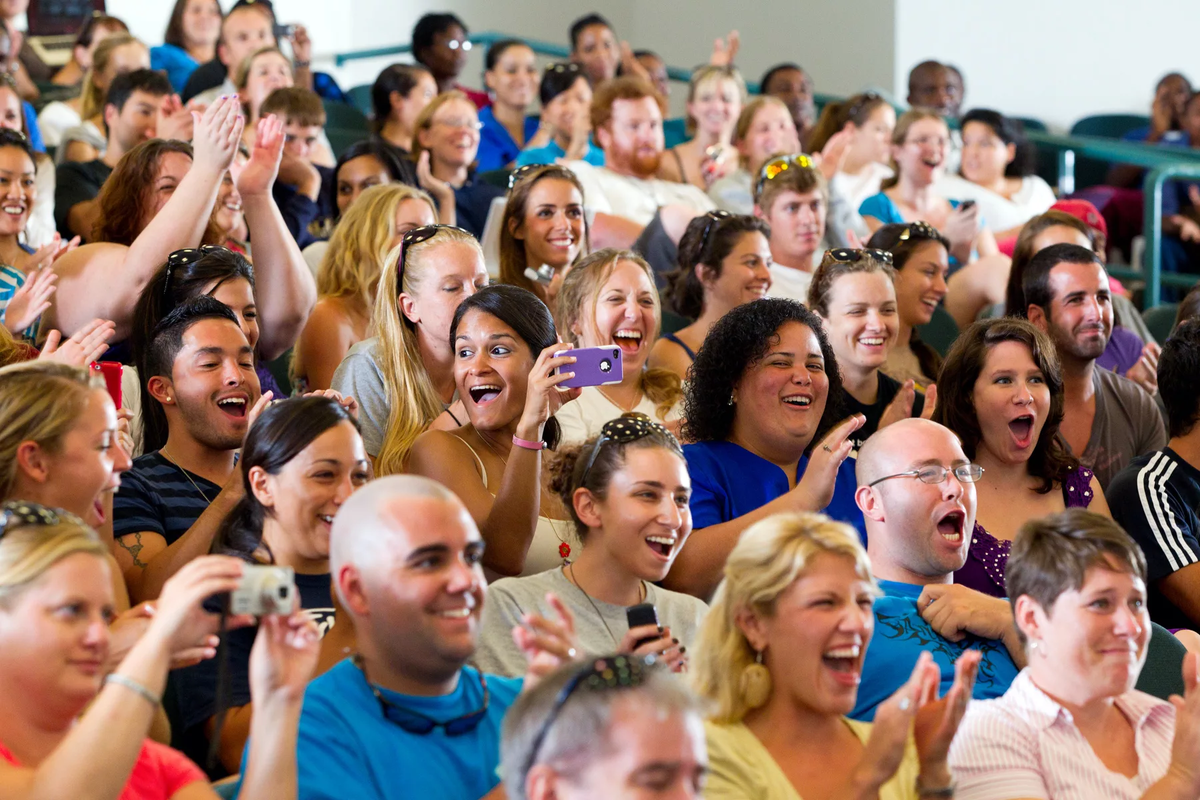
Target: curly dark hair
1051, 459
738, 341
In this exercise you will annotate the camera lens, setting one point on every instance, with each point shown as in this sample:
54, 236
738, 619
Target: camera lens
283, 592
605, 365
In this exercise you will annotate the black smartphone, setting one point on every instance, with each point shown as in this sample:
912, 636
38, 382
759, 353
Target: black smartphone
639, 615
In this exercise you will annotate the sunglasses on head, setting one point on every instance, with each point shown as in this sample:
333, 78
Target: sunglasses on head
521, 173
713, 218
777, 166
417, 723
604, 674
621, 430
919, 230
849, 255
185, 258
18, 513
416, 236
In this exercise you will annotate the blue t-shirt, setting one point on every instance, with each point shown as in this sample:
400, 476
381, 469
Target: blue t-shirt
35, 133
551, 153
174, 61
900, 636
881, 207
496, 146
347, 748
728, 481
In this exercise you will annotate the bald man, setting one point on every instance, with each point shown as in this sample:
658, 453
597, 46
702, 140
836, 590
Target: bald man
916, 489
406, 717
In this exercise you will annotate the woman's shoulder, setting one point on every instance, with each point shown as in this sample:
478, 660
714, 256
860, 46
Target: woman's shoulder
881, 207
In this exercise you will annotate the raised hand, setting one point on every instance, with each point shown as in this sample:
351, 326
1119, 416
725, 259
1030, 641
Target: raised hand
301, 44
345, 401
88, 344
131, 625
216, 134
833, 154
174, 120
441, 191
815, 489
662, 645
937, 720
725, 50
543, 396
901, 406
893, 721
260, 172
45, 255
180, 620
29, 300
546, 643
1185, 749
284, 657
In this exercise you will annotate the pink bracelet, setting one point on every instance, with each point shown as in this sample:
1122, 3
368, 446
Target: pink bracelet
528, 445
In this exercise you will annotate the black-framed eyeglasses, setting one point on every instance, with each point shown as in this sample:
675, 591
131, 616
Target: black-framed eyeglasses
714, 217
919, 230
621, 430
185, 258
16, 513
415, 722
603, 674
936, 473
416, 236
777, 166
852, 255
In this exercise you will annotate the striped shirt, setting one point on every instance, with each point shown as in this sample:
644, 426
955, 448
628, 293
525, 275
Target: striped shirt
156, 496
1157, 500
1026, 745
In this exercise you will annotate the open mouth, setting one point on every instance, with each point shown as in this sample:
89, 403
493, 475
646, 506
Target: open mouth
14, 210
628, 341
662, 545
233, 406
798, 400
484, 393
951, 526
758, 288
326, 518
932, 163
845, 661
872, 341
455, 613
1022, 430
98, 510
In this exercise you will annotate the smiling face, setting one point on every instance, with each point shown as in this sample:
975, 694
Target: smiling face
862, 321
797, 223
135, 122
18, 191
410, 214
624, 314
716, 106
745, 273
406, 108
795, 88
780, 398
447, 56
873, 139
1080, 318
238, 294
921, 283
1094, 637
491, 370
88, 464
771, 132
515, 78
644, 517
984, 154
245, 30
11, 112
569, 106
552, 230
213, 384
922, 156
172, 168
307, 492
633, 138
201, 22
816, 640
268, 71
356, 176
228, 211
452, 137
596, 49
1012, 401
54, 637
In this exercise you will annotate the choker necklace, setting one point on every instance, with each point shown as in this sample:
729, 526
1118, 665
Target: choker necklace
592, 603
185, 474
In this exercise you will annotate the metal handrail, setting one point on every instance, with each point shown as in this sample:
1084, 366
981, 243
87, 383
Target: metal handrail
1155, 179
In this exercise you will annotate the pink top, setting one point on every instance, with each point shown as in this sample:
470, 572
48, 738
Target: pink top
1024, 744
158, 773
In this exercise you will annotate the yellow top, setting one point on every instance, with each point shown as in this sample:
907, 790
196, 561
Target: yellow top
740, 768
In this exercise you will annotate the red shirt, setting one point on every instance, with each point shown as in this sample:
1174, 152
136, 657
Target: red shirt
158, 773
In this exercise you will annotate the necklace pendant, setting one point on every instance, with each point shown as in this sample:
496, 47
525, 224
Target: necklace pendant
564, 551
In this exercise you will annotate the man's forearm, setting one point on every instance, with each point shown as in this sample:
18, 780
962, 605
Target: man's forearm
194, 543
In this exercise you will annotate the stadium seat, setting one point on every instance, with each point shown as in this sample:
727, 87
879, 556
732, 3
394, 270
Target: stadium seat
344, 125
1160, 320
360, 96
1089, 171
940, 332
1162, 675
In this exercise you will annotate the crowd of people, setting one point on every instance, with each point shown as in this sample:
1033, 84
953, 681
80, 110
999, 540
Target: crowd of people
577, 454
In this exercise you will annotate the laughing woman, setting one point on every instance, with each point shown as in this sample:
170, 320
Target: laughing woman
627, 493
1001, 391
543, 225
724, 261
504, 345
607, 299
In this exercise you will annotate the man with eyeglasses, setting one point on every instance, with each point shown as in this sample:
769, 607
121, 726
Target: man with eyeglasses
405, 718
916, 489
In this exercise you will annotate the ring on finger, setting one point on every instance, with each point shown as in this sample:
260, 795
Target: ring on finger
827, 448
905, 704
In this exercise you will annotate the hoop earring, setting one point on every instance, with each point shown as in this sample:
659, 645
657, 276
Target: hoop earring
754, 684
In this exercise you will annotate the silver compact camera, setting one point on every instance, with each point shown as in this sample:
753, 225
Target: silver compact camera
264, 590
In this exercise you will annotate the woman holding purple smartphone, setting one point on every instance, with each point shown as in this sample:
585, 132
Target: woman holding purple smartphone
509, 371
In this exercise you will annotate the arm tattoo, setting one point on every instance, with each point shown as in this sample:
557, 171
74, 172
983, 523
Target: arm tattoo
133, 549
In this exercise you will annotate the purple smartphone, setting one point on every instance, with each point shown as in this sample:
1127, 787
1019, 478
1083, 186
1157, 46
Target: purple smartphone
594, 366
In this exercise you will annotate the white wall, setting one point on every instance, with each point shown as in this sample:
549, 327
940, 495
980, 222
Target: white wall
1057, 60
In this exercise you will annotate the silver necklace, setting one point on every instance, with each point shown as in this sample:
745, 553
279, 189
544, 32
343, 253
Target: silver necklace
592, 603
185, 474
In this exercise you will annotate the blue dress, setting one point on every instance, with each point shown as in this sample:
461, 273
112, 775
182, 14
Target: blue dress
496, 146
728, 481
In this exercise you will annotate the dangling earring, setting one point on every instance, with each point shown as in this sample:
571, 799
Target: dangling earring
731, 398
755, 683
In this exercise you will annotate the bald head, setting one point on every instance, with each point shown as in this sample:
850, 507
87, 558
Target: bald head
889, 449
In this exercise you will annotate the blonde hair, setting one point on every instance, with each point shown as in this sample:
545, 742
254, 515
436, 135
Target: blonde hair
899, 134
28, 551
745, 119
424, 120
40, 401
92, 96
242, 74
711, 73
576, 304
359, 246
412, 401
768, 558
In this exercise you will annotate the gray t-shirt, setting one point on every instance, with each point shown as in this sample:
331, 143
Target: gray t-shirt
1127, 424
359, 376
509, 598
